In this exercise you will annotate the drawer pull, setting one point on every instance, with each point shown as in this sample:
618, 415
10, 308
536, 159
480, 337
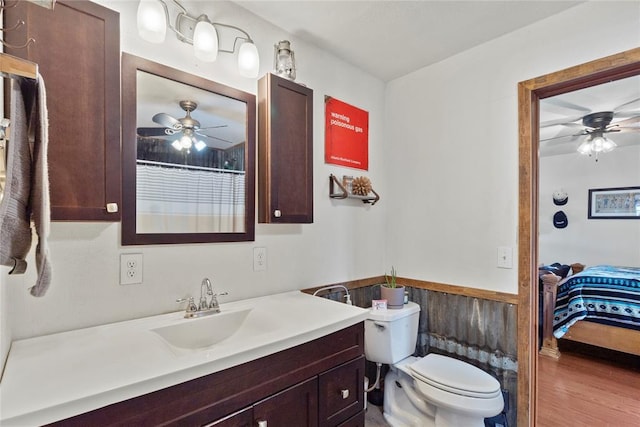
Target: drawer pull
262, 423
344, 393
277, 213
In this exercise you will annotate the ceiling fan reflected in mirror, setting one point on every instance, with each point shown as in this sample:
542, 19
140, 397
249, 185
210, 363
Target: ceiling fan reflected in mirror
595, 127
184, 132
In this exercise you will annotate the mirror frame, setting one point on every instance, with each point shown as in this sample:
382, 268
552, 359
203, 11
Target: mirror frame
614, 67
131, 64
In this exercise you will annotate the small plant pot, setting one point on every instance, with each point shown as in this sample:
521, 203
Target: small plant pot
394, 296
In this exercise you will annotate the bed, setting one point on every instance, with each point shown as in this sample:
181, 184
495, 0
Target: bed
599, 306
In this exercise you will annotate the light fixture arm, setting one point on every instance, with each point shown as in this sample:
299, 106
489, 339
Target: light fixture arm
246, 37
185, 24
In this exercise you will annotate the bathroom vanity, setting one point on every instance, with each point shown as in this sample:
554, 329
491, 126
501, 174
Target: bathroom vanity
294, 359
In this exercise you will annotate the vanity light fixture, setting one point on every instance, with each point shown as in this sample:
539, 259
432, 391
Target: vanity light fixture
154, 18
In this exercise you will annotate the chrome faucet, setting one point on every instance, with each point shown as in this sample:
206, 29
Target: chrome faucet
205, 308
203, 299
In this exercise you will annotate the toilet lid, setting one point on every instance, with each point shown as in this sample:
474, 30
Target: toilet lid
455, 376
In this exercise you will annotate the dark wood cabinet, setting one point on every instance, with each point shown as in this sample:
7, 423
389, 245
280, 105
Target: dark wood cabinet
319, 383
77, 49
285, 151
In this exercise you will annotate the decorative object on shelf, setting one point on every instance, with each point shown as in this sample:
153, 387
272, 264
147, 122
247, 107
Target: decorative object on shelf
392, 291
284, 60
344, 192
154, 18
361, 186
614, 203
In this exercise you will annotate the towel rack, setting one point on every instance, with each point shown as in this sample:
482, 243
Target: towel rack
12, 66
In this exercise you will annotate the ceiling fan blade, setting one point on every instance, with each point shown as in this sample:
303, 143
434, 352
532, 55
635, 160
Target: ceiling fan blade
215, 137
565, 104
564, 136
563, 122
214, 127
167, 121
151, 131
619, 107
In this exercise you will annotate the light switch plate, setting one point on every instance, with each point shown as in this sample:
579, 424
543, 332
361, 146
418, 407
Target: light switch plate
505, 257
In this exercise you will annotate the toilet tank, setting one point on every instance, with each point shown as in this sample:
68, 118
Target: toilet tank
390, 335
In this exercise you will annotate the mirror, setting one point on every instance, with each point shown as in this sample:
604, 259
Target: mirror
613, 68
188, 157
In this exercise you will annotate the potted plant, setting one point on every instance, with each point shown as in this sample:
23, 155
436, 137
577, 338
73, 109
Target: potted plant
392, 291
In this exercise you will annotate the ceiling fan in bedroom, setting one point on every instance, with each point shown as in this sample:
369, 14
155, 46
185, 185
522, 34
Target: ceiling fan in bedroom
185, 132
595, 128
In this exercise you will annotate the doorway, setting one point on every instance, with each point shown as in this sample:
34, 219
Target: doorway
597, 72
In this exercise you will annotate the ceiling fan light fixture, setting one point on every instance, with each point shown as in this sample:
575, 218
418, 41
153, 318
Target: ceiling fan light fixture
596, 144
200, 145
185, 141
176, 144
205, 40
151, 20
248, 60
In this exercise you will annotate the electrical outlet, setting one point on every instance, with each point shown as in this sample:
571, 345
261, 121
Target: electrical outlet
259, 259
505, 257
130, 269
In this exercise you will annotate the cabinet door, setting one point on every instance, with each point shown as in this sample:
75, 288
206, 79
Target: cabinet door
77, 49
285, 151
341, 392
295, 406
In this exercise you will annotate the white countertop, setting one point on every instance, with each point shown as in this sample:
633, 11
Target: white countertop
57, 376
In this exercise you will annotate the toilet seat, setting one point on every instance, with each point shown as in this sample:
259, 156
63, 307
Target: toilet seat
455, 376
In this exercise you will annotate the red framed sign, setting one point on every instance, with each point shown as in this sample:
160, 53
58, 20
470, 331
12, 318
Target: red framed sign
346, 134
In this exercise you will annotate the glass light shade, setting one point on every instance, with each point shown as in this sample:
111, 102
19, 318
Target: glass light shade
185, 142
596, 144
205, 41
200, 145
248, 60
176, 144
152, 25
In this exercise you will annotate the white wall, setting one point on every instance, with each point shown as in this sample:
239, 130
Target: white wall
452, 137
588, 241
345, 241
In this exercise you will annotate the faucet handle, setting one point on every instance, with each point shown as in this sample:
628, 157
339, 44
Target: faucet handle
191, 304
214, 300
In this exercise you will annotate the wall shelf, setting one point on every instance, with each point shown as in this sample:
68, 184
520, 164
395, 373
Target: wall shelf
343, 193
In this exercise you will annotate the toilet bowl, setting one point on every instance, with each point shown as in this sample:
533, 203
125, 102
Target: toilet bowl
434, 390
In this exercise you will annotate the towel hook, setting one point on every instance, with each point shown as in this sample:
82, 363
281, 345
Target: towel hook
18, 24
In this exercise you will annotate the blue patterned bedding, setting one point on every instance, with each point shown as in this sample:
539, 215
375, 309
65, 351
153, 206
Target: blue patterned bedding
602, 294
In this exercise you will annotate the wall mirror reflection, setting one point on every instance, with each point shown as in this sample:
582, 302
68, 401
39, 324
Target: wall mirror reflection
188, 161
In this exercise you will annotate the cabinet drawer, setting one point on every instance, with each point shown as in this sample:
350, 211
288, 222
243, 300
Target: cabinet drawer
341, 392
355, 421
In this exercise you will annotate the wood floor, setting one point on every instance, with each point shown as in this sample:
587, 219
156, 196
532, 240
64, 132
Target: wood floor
579, 390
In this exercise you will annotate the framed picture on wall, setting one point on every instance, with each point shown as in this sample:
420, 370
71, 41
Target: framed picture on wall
614, 203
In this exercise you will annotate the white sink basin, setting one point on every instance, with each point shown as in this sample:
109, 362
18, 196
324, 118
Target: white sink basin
204, 331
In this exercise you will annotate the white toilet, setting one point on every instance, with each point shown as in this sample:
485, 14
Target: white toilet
433, 390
